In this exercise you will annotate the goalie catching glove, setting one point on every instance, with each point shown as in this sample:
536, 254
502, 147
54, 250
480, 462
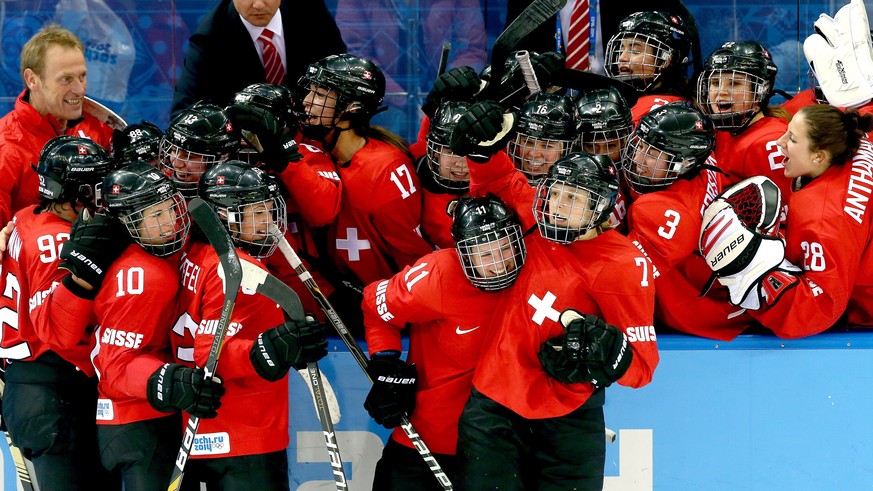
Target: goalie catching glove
737, 239
276, 144
394, 385
292, 344
482, 131
840, 53
175, 386
590, 350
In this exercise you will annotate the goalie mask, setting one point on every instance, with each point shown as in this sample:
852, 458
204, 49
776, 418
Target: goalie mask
248, 202
577, 196
340, 87
138, 141
647, 46
545, 132
670, 141
71, 168
605, 122
147, 203
197, 139
736, 83
488, 240
449, 170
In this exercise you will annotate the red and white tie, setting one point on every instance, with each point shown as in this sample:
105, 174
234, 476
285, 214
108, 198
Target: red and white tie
578, 38
272, 63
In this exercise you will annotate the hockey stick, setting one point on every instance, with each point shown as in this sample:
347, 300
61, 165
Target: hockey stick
444, 58
530, 76
269, 286
218, 238
357, 353
104, 114
529, 19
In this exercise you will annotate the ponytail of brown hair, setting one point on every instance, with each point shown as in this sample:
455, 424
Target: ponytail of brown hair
837, 132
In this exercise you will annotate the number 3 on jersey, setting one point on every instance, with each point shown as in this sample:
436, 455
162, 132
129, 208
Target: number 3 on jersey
669, 228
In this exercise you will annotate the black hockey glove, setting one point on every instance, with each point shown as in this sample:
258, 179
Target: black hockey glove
393, 393
95, 242
590, 350
276, 143
175, 386
458, 84
546, 65
482, 131
294, 343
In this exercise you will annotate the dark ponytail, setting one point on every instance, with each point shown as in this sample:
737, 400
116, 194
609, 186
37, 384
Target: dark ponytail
837, 132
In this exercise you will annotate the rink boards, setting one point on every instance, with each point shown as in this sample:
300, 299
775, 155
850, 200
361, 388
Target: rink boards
758, 413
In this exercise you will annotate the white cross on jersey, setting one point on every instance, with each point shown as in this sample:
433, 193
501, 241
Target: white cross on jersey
544, 307
352, 244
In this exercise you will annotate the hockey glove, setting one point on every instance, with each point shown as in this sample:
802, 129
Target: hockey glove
294, 343
751, 265
840, 53
546, 65
175, 386
590, 350
393, 393
458, 84
276, 143
95, 242
482, 131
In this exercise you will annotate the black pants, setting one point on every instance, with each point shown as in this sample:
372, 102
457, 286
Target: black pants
264, 472
500, 450
143, 453
50, 410
402, 469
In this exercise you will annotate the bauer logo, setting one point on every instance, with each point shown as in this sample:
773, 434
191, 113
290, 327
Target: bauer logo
211, 444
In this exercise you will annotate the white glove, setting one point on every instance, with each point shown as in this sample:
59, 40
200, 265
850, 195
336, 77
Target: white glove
840, 54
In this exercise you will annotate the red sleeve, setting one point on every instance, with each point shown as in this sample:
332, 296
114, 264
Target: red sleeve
667, 230
314, 186
801, 99
412, 295
136, 314
500, 178
63, 317
648, 103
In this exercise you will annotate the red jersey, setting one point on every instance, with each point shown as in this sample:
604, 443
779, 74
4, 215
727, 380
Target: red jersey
754, 153
436, 223
449, 321
828, 236
49, 316
23, 133
801, 99
606, 276
866, 108
377, 231
135, 309
646, 103
314, 186
236, 431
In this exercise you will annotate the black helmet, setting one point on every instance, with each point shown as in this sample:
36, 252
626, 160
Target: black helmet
138, 141
233, 186
663, 36
736, 83
449, 170
546, 131
71, 168
128, 193
605, 122
562, 212
359, 86
275, 99
488, 239
201, 134
671, 141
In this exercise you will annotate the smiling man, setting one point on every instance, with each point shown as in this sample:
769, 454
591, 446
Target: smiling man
55, 79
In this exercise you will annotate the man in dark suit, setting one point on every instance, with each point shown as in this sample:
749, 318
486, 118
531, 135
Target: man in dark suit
224, 54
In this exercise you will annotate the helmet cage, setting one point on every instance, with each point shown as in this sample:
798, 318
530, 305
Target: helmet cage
541, 154
195, 164
500, 252
731, 90
572, 217
615, 139
666, 168
175, 240
258, 216
442, 162
660, 58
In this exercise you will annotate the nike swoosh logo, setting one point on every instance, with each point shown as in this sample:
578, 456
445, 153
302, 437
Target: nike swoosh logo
458, 330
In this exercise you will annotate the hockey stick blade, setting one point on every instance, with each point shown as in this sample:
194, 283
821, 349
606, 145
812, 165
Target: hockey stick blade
269, 286
104, 114
529, 19
219, 239
358, 353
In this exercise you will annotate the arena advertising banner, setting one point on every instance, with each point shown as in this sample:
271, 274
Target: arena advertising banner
758, 413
